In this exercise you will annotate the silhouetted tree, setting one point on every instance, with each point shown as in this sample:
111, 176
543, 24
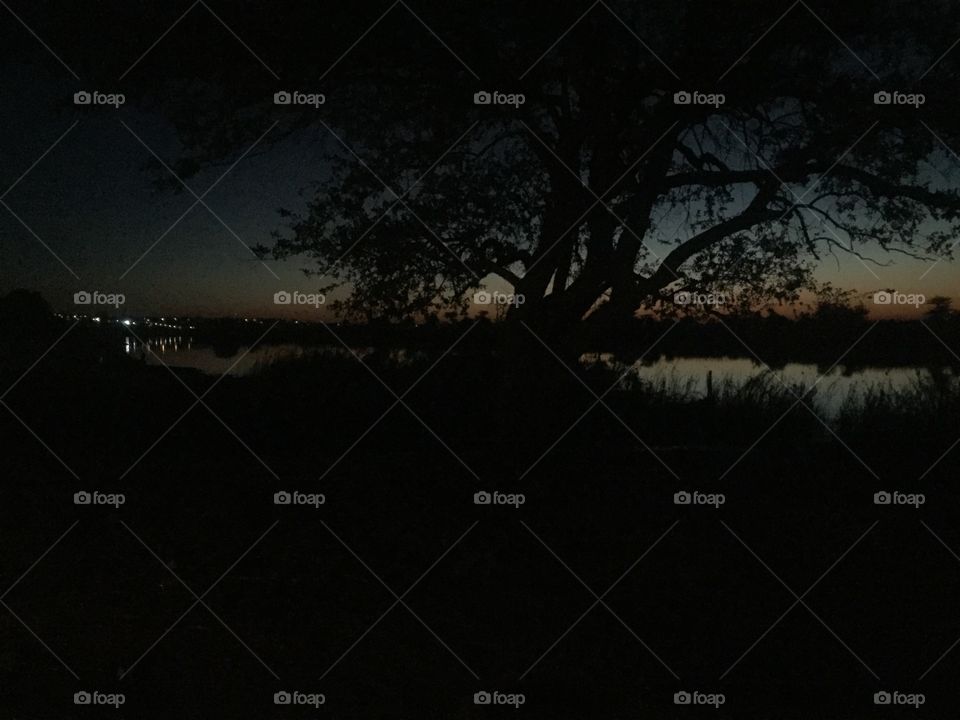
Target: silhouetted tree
941, 308
27, 325
599, 188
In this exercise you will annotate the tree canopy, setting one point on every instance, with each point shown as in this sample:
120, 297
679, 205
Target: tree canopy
603, 191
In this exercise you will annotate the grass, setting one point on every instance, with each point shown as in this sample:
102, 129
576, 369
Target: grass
665, 409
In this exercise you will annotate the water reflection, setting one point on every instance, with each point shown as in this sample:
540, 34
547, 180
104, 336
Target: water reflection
158, 345
830, 387
183, 352
687, 377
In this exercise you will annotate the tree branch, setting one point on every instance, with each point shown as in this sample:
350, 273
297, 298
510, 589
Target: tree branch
756, 212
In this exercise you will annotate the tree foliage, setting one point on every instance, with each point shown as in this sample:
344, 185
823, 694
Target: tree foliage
599, 191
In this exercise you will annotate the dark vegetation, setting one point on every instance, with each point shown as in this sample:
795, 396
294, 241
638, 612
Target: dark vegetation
598, 197
599, 497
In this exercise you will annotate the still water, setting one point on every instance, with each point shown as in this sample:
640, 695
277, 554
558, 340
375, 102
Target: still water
829, 387
182, 352
686, 376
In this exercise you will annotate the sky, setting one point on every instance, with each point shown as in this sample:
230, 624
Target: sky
103, 217
89, 200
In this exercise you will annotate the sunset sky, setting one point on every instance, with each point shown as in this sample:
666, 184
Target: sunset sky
91, 202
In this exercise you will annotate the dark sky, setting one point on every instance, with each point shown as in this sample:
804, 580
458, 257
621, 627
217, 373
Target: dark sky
90, 200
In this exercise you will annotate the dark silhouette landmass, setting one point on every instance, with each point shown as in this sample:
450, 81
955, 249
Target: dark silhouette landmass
476, 421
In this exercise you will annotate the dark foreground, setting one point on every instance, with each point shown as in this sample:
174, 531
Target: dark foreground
399, 597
